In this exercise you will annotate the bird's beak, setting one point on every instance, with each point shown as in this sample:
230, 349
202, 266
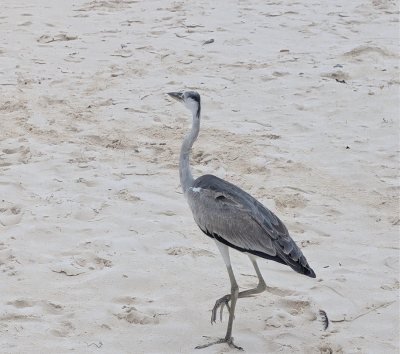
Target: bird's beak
176, 95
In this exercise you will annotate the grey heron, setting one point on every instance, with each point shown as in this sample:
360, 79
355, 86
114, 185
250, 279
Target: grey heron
233, 218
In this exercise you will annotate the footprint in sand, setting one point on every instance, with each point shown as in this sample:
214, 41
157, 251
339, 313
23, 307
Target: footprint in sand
56, 38
28, 310
280, 318
47, 307
13, 156
63, 329
290, 201
9, 264
338, 75
92, 261
126, 196
131, 314
80, 264
291, 312
10, 214
295, 311
182, 251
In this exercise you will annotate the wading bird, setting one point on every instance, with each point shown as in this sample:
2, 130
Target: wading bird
233, 218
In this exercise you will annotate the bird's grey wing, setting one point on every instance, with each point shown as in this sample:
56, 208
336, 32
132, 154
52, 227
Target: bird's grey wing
218, 213
221, 208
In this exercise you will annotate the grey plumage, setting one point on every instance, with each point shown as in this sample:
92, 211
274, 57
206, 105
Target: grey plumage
233, 218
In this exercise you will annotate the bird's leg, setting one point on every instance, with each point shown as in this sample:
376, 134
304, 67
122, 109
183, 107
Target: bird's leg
233, 298
220, 303
261, 287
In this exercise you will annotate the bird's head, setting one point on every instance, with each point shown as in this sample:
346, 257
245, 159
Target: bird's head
191, 100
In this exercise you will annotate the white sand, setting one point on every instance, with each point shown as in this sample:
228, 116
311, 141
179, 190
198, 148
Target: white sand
97, 245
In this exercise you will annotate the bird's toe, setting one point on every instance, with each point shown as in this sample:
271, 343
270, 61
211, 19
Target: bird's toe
233, 345
228, 341
220, 304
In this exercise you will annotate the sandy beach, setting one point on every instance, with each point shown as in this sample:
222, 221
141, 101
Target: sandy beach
99, 252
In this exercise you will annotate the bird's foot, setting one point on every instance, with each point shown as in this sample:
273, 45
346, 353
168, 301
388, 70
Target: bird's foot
228, 341
220, 304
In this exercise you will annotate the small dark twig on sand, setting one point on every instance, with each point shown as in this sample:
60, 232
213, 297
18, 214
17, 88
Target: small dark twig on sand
98, 346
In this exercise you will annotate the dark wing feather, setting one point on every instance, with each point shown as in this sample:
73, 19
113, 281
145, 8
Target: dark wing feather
235, 218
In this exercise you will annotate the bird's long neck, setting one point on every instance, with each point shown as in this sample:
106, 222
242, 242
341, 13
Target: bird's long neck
184, 166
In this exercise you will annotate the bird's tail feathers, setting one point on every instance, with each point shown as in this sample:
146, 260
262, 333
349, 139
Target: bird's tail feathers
293, 257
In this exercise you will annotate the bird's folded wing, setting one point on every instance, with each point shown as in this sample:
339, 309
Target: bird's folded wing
222, 208
219, 214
